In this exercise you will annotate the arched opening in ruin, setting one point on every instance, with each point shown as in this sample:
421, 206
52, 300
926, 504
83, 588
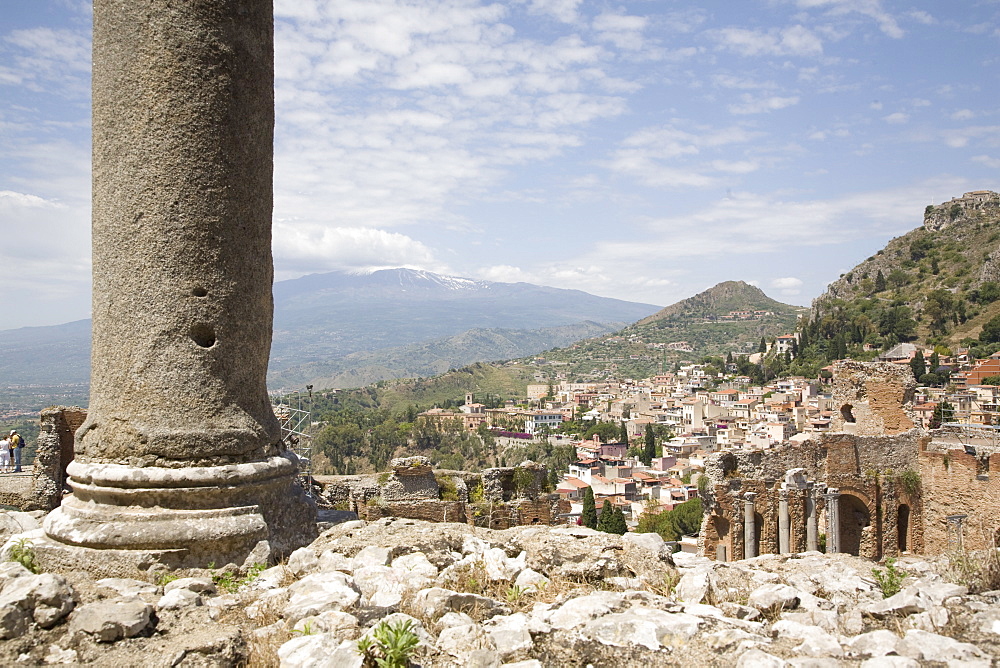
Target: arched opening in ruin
724, 542
854, 517
758, 530
847, 412
903, 527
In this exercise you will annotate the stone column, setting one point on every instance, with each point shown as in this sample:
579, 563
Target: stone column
784, 524
181, 451
812, 543
749, 527
832, 498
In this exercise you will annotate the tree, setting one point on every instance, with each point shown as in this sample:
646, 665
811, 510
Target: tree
935, 362
612, 519
589, 516
917, 364
943, 412
649, 443
624, 433
762, 348
879, 282
991, 331
672, 524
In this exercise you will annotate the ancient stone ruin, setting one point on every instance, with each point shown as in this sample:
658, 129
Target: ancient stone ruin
495, 498
180, 459
874, 486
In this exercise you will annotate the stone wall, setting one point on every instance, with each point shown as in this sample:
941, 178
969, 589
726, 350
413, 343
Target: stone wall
53, 453
872, 398
954, 482
503, 497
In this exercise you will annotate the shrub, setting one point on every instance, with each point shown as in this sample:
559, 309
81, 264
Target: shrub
890, 581
23, 553
390, 645
909, 480
447, 489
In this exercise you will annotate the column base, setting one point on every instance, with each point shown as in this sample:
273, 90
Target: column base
189, 517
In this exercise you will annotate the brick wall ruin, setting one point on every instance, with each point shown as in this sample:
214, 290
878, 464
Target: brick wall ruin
854, 489
961, 492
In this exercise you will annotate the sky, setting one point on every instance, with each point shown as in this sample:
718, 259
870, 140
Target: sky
637, 149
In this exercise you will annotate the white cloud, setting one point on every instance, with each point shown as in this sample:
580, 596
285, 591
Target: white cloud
870, 8
307, 248
962, 115
986, 135
561, 10
760, 105
624, 31
897, 118
789, 285
989, 161
792, 41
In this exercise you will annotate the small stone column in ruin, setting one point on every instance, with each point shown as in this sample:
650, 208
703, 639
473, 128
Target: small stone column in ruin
784, 524
749, 527
181, 453
832, 498
812, 542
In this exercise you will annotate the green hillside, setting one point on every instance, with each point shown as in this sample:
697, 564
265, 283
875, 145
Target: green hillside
937, 285
704, 322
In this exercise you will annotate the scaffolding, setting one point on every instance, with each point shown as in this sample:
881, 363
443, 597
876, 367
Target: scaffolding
294, 421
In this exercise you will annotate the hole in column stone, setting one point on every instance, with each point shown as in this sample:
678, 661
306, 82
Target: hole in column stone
203, 335
847, 411
199, 292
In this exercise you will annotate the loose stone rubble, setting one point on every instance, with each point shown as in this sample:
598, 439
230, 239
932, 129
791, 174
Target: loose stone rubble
526, 596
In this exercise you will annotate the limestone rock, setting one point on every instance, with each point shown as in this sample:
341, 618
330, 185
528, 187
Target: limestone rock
324, 650
196, 585
756, 658
177, 599
128, 586
109, 621
318, 593
773, 597
303, 561
643, 626
43, 599
510, 634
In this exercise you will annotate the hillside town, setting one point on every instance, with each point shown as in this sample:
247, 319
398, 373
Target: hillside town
701, 413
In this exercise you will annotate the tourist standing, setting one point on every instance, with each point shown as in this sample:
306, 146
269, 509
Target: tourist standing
5, 455
16, 443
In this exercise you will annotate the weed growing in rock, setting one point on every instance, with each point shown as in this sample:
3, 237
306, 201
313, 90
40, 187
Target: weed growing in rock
890, 580
23, 553
389, 645
166, 578
515, 593
230, 582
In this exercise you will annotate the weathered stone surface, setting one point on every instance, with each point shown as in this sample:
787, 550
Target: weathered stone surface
925, 646
643, 626
303, 561
113, 620
340, 624
128, 586
919, 597
585, 608
756, 658
510, 634
874, 643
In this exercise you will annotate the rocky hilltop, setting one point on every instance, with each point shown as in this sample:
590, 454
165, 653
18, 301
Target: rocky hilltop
947, 260
527, 596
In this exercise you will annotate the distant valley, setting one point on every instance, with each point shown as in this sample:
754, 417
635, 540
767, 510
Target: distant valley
348, 330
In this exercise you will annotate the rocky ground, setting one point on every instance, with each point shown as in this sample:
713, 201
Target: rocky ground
529, 596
